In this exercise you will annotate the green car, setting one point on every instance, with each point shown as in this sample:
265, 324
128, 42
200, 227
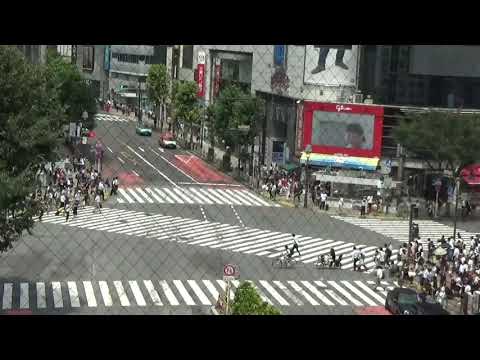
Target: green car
143, 130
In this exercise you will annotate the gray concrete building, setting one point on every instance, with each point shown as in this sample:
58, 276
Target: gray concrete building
36, 54
94, 63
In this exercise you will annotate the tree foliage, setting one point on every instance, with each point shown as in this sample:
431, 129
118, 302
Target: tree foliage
73, 92
248, 302
158, 84
234, 107
31, 125
451, 140
187, 108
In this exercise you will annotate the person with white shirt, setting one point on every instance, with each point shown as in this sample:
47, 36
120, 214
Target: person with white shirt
355, 257
323, 200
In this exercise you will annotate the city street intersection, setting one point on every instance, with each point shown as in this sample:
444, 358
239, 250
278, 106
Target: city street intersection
159, 245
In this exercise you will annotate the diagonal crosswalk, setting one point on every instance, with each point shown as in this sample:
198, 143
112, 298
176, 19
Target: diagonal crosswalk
108, 117
398, 229
266, 243
190, 195
69, 295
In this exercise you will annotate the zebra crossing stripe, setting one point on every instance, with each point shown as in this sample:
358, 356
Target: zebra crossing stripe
220, 199
7, 296
149, 200
155, 196
126, 196
317, 293
164, 195
153, 293
91, 301
334, 296
198, 292
183, 196
193, 196
173, 196
288, 293
137, 293
302, 292
223, 286
199, 195
121, 293
73, 292
134, 194
369, 291
169, 293
57, 294
240, 195
358, 293
107, 299
345, 293
24, 298
271, 290
227, 196
217, 200
211, 289
41, 296
255, 198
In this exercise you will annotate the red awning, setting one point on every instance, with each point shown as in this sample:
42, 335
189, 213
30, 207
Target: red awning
471, 174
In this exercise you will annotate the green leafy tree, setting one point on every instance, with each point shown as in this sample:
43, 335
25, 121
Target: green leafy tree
445, 140
186, 105
73, 92
158, 87
247, 301
31, 125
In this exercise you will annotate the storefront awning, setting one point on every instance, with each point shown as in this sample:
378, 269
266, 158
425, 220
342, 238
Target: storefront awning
346, 162
289, 167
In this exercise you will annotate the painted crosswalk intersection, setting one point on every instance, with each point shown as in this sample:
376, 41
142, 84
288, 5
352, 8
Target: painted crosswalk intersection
108, 117
398, 229
213, 235
66, 295
189, 196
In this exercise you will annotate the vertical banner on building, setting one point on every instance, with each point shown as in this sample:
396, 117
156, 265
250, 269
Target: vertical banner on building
74, 54
299, 134
201, 74
218, 76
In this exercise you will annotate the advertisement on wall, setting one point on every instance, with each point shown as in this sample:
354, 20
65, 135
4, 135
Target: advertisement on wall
331, 65
343, 129
299, 131
201, 74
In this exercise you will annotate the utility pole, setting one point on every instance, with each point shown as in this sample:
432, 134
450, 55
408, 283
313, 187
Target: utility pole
308, 151
410, 224
457, 195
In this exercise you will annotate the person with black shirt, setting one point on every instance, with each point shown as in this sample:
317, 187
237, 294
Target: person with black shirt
332, 257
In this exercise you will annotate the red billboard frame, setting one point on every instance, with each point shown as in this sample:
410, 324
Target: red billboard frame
377, 111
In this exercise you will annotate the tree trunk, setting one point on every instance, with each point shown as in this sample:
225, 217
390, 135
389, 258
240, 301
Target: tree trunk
191, 135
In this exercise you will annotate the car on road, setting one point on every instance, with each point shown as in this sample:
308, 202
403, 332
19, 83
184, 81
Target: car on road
143, 130
405, 301
167, 140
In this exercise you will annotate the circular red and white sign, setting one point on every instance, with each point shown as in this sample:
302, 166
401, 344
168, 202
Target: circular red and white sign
229, 270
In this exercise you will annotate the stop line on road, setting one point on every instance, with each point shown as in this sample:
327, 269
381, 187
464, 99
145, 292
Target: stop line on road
72, 295
190, 195
246, 240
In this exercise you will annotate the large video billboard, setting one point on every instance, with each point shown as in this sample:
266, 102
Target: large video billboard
343, 129
331, 65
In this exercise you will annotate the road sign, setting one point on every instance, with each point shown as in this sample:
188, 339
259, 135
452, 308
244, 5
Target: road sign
229, 270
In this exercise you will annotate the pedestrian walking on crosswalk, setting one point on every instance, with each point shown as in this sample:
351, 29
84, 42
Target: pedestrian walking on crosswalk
98, 204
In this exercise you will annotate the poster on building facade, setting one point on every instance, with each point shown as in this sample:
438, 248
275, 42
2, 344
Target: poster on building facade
331, 65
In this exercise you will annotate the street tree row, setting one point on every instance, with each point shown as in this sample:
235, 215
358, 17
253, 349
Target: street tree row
36, 102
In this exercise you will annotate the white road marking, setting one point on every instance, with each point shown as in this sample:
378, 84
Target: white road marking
7, 296
302, 292
345, 293
126, 196
287, 292
183, 292
135, 173
153, 151
141, 149
120, 159
24, 298
334, 296
223, 285
156, 197
73, 293
149, 200
91, 301
159, 192
137, 293
108, 147
57, 294
107, 299
357, 292
161, 150
317, 293
198, 292
169, 293
153, 167
153, 293
274, 293
178, 169
211, 289
134, 194
121, 293
41, 298
370, 292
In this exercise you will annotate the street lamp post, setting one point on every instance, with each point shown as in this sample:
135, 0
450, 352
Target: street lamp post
308, 151
457, 195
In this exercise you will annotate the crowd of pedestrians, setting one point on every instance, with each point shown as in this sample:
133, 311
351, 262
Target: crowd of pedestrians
72, 186
445, 269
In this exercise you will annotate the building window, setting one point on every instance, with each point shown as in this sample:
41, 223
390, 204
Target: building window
187, 57
65, 50
88, 58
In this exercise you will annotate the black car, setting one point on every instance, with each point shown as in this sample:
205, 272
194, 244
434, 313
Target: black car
403, 301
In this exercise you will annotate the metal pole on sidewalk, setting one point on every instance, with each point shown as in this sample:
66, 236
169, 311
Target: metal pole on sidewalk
457, 195
410, 224
308, 151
